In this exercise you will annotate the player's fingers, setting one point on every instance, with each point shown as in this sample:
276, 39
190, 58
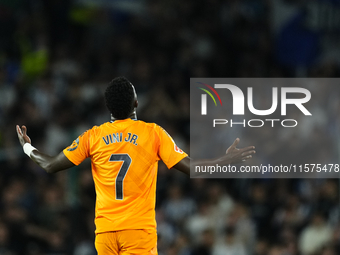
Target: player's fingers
248, 153
247, 149
18, 130
235, 143
24, 130
233, 146
246, 158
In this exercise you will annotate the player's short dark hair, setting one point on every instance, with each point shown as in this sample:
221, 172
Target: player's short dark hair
119, 98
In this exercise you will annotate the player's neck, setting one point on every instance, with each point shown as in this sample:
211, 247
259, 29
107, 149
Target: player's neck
132, 116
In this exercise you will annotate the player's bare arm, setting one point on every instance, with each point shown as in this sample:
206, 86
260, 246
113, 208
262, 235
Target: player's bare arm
233, 156
48, 163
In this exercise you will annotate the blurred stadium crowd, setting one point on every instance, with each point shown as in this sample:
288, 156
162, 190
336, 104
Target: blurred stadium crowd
56, 58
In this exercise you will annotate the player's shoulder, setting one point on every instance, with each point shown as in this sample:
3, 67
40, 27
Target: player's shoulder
97, 129
146, 124
150, 128
101, 127
150, 125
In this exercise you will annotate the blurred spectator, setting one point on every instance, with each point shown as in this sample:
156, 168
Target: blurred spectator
206, 243
260, 209
5, 240
230, 245
315, 236
177, 208
293, 215
200, 221
261, 248
243, 226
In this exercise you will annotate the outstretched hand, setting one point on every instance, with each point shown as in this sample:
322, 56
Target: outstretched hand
22, 135
235, 155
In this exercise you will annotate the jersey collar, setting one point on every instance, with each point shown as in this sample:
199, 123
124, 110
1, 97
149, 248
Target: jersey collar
123, 120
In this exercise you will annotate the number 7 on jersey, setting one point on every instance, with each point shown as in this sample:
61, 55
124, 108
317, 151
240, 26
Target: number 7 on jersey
122, 172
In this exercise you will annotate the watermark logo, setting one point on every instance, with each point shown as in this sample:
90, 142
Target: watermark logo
204, 98
301, 95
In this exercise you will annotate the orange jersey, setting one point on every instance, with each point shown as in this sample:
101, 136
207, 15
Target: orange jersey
124, 156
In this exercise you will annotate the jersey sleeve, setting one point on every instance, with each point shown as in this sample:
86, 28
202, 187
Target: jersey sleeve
168, 151
79, 150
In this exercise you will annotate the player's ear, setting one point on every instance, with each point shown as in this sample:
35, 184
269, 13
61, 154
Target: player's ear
136, 104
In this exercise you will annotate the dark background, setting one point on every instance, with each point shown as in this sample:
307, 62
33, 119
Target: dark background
56, 58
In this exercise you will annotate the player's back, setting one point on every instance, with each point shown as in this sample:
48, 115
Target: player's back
124, 156
124, 166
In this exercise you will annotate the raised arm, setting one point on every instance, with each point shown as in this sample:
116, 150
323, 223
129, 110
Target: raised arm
48, 163
233, 155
